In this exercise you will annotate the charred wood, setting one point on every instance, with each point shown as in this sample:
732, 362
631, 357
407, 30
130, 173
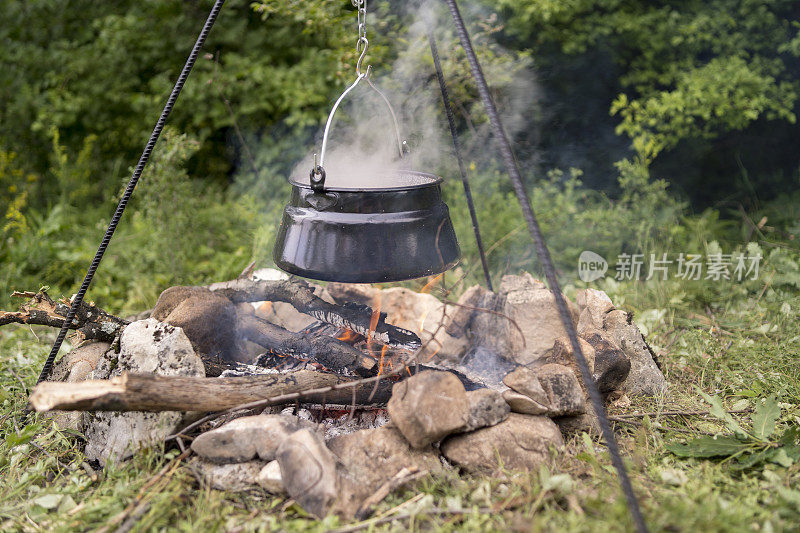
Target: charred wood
358, 318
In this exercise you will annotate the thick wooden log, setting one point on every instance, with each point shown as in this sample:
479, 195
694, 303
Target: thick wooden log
358, 318
147, 392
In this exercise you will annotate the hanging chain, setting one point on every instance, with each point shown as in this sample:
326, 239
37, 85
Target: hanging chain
361, 6
362, 43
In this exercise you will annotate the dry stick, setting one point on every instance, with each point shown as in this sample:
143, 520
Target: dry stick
679, 413
154, 393
637, 423
543, 253
405, 475
41, 310
302, 298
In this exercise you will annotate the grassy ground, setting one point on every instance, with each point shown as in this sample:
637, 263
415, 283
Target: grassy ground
741, 349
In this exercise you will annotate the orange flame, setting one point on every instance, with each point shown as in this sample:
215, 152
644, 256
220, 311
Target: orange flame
431, 356
265, 307
348, 335
431, 283
422, 321
380, 363
373, 321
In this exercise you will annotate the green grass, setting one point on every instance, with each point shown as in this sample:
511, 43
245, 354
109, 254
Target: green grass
727, 351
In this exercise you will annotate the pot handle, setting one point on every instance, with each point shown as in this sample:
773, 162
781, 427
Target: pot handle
318, 169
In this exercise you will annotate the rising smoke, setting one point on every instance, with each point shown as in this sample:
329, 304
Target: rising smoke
362, 148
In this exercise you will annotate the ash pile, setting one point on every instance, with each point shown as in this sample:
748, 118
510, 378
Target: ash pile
334, 396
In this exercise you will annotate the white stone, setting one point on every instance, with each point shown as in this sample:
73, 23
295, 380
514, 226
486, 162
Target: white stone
146, 346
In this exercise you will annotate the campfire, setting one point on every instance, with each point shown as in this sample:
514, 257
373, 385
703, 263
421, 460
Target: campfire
321, 394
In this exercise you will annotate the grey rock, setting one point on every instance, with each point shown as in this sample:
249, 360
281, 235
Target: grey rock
461, 316
525, 321
146, 346
644, 378
596, 302
532, 306
77, 365
564, 393
153, 347
611, 365
486, 408
312, 477
232, 477
246, 438
522, 442
79, 362
525, 381
563, 354
586, 323
428, 406
374, 456
270, 479
520, 403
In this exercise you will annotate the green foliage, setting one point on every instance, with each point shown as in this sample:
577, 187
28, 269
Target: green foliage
689, 70
573, 218
104, 70
749, 448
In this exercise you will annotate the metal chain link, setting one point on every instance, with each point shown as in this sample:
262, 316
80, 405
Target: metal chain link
361, 6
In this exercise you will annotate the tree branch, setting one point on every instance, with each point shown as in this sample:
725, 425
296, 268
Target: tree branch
144, 392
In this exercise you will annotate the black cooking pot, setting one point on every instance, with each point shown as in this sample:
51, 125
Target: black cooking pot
400, 230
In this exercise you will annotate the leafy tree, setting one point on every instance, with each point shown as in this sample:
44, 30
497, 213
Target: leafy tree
681, 72
104, 69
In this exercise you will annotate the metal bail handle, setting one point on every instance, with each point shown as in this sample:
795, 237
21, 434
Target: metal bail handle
361, 76
317, 175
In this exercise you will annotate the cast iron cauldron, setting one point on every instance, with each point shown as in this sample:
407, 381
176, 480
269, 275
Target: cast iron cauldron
401, 230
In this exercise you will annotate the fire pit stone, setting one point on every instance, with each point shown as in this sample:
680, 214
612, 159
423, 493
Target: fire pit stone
486, 408
564, 394
246, 438
611, 365
270, 479
374, 456
146, 346
563, 354
522, 442
232, 477
520, 403
526, 381
312, 476
429, 406
645, 377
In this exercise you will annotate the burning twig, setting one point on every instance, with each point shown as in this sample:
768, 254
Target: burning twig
302, 298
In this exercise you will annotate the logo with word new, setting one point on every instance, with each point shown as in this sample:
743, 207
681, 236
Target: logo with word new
591, 266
